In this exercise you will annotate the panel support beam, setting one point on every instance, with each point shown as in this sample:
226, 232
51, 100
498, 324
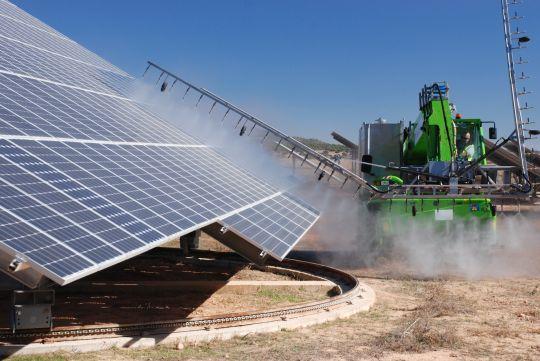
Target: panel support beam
189, 241
237, 243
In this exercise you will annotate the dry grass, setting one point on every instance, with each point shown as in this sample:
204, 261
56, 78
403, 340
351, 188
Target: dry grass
529, 314
420, 335
439, 302
499, 329
419, 330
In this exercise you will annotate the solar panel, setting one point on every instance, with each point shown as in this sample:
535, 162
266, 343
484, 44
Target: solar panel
89, 177
276, 223
39, 108
11, 11
41, 39
19, 58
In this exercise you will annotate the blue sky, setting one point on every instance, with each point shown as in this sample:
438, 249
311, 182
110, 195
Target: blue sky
310, 67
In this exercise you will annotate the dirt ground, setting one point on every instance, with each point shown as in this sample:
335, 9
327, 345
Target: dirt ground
450, 318
411, 320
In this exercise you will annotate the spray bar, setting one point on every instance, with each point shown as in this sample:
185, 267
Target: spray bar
312, 164
294, 144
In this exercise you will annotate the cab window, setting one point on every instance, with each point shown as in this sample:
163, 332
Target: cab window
468, 141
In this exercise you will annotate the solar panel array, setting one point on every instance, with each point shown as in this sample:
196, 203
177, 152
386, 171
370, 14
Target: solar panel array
276, 224
88, 177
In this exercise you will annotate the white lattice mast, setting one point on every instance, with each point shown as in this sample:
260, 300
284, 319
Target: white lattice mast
514, 40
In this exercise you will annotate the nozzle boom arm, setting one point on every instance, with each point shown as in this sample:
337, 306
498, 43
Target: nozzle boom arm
294, 144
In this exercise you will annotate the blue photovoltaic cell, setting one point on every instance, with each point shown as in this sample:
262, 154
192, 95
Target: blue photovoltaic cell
37, 108
38, 37
145, 193
276, 224
33, 243
19, 58
13, 12
88, 177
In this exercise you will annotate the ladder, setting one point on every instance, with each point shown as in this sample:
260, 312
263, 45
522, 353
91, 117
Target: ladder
514, 41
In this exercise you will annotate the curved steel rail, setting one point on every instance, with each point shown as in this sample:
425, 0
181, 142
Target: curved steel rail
348, 284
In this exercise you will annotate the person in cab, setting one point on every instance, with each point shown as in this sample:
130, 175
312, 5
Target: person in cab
466, 147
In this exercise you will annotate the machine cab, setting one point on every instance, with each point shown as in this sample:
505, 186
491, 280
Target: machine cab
469, 139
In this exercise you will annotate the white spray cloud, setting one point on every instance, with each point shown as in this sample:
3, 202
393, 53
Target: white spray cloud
345, 233
246, 151
508, 248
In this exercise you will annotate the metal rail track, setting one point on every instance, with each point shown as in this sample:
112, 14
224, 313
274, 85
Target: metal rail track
347, 283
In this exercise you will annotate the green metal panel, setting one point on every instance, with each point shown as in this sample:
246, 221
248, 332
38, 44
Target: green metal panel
441, 117
391, 215
478, 208
432, 136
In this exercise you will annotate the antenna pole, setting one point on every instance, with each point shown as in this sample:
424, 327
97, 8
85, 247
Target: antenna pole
512, 78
